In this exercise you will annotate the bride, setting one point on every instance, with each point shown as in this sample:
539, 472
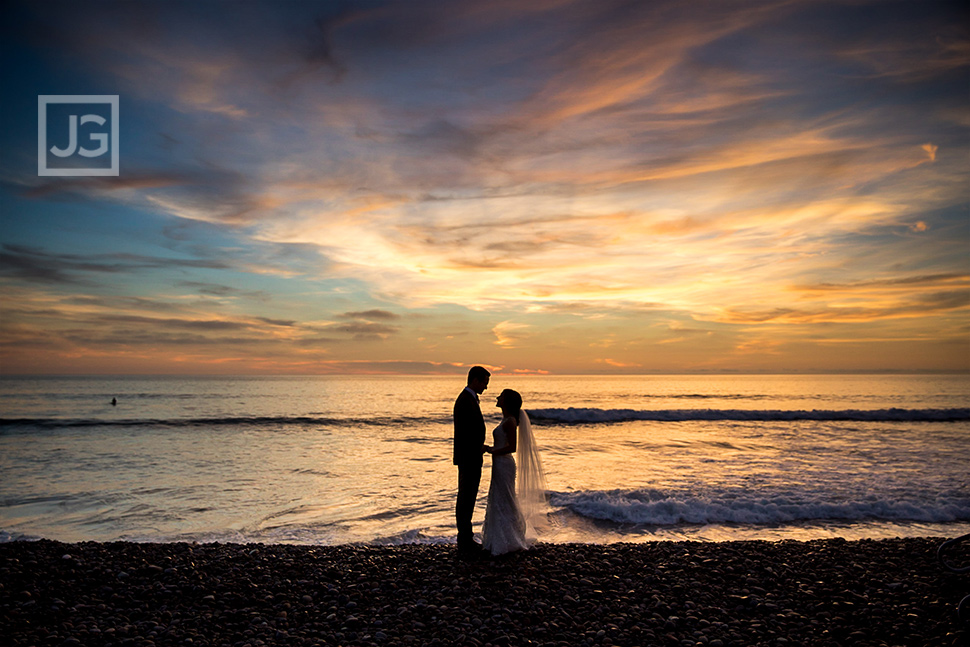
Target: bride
511, 513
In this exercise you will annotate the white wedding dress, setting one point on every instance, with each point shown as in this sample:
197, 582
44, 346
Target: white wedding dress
510, 520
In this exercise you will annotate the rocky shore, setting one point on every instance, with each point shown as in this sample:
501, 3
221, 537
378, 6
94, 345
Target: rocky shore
827, 592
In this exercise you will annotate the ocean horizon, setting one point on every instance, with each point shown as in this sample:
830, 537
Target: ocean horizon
332, 460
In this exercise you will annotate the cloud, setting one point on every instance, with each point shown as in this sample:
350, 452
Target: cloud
189, 324
218, 290
920, 306
33, 264
383, 367
509, 334
42, 187
529, 371
902, 58
932, 281
365, 330
617, 364
285, 323
365, 326
88, 303
371, 315
759, 347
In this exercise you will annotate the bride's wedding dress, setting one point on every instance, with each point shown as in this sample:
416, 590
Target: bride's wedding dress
510, 518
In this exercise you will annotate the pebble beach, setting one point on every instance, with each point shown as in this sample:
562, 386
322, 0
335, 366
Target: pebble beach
822, 592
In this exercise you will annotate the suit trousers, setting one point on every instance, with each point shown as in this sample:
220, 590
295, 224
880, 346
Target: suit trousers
469, 478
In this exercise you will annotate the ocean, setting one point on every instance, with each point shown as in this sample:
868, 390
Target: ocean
348, 459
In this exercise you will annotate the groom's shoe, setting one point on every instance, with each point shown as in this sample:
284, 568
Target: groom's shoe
470, 550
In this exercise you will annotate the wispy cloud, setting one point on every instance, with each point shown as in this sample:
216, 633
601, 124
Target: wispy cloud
369, 315
33, 264
509, 334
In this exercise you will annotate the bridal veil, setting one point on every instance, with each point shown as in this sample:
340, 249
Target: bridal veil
531, 488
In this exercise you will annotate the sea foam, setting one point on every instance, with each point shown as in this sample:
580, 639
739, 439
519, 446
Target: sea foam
573, 415
648, 506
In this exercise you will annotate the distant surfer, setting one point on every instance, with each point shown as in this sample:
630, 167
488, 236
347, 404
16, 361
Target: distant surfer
114, 402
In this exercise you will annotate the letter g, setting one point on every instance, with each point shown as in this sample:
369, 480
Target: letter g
98, 137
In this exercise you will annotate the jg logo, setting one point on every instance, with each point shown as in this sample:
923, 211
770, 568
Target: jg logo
77, 135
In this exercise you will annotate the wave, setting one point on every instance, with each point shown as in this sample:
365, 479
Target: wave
577, 416
263, 421
569, 415
658, 508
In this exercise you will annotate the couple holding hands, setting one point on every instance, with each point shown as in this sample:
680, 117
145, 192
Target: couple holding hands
511, 511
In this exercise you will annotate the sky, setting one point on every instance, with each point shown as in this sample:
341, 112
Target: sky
545, 187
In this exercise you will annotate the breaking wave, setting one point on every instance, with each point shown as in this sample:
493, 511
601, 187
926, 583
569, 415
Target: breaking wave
658, 508
576, 416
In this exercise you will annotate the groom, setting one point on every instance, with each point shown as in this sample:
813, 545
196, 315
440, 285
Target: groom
469, 447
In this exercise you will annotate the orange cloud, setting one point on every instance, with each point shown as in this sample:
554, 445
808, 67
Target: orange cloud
617, 364
509, 334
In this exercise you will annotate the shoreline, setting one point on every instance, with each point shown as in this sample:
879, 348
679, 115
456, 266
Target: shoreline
742, 593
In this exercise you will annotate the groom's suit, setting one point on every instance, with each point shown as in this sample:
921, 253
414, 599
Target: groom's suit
469, 438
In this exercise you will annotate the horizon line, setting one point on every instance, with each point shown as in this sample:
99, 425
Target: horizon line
504, 374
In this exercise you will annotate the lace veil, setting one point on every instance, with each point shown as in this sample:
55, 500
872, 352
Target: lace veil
531, 486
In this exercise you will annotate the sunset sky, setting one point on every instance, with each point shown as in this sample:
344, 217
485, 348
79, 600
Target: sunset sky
545, 186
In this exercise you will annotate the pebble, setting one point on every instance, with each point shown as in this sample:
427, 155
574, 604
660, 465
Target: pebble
823, 592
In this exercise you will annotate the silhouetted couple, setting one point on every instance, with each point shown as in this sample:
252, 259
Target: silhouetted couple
511, 511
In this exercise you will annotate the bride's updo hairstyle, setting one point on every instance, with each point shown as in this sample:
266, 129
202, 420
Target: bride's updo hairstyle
512, 400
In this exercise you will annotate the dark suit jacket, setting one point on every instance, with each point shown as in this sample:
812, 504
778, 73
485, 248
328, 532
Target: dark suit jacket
469, 430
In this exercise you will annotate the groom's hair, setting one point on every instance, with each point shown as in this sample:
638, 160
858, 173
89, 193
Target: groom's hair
477, 373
